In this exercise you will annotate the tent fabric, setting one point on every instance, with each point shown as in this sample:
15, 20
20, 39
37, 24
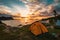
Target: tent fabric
38, 28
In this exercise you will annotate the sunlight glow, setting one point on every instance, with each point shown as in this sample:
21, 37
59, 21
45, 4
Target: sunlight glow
24, 13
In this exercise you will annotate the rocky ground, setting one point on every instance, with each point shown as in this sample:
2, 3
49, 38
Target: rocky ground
16, 33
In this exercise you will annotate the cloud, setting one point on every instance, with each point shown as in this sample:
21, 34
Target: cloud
56, 1
5, 9
37, 9
22, 10
33, 10
57, 5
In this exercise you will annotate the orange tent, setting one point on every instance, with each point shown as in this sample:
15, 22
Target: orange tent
38, 28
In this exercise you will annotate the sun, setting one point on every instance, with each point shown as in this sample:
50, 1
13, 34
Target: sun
24, 13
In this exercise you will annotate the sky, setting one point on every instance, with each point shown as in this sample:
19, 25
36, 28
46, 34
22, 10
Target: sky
12, 4
18, 2
18, 5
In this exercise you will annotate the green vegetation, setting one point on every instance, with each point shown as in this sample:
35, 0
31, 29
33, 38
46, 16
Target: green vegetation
23, 33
